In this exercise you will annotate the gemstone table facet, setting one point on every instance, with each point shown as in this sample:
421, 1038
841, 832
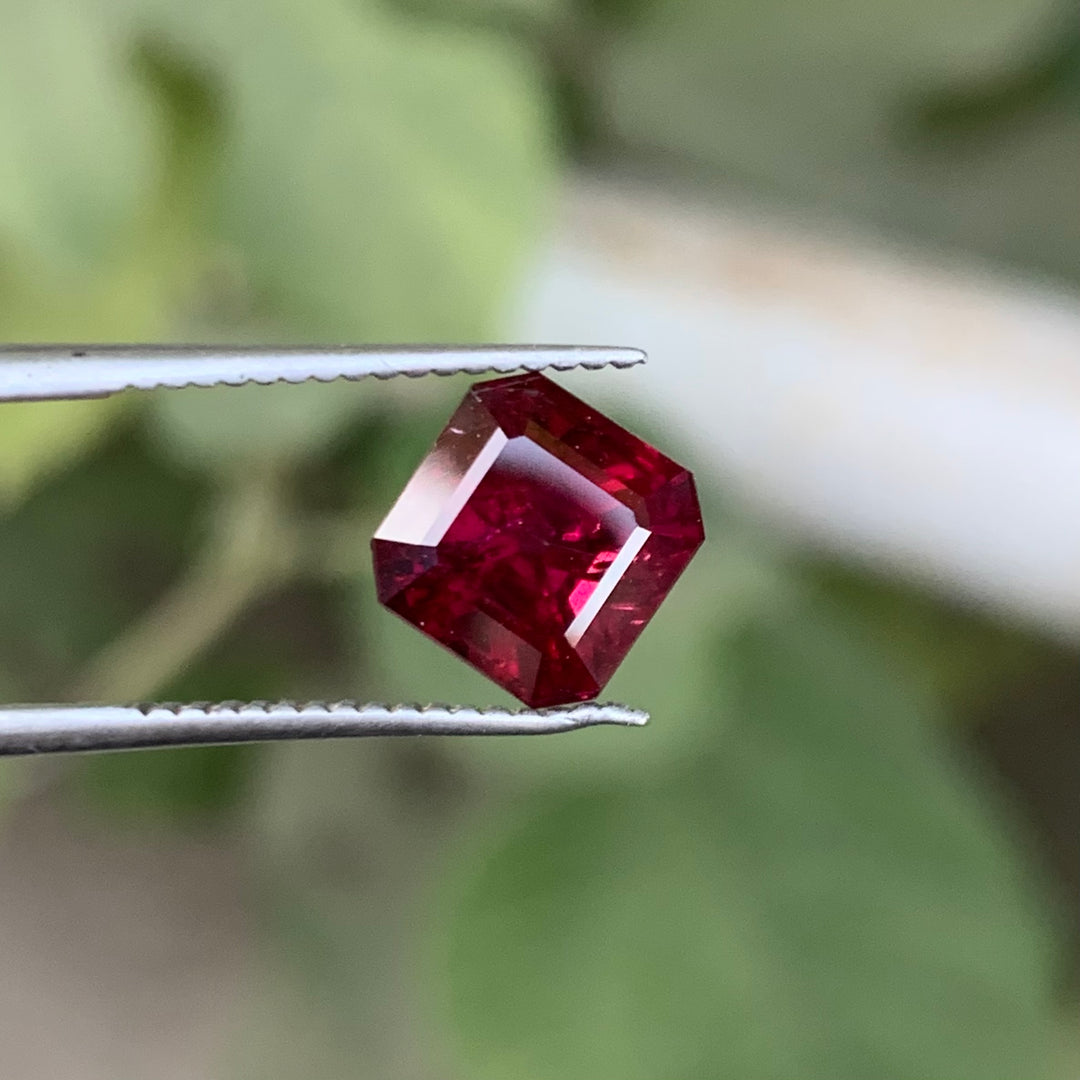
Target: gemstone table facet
537, 539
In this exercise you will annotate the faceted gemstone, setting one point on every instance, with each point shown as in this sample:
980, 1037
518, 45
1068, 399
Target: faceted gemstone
537, 539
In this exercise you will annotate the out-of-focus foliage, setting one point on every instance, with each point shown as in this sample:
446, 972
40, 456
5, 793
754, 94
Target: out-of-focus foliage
76, 137
791, 872
359, 152
226, 171
85, 555
307, 166
956, 123
40, 438
780, 907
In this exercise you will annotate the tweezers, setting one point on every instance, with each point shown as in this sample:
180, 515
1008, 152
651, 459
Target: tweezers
65, 372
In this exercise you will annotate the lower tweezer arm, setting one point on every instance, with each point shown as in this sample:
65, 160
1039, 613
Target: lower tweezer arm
41, 729
58, 372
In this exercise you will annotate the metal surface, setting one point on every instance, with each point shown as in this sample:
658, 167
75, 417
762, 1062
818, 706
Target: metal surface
55, 372
42, 729
49, 372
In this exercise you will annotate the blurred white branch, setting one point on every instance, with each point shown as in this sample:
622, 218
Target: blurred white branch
923, 415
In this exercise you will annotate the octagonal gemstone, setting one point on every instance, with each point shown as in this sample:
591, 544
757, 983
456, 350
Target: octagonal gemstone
537, 539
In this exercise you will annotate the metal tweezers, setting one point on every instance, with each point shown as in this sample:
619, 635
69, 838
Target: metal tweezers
64, 372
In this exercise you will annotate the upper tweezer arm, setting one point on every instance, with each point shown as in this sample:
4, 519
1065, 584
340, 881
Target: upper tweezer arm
55, 372
59, 372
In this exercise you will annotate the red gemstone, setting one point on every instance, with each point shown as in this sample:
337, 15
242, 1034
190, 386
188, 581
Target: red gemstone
537, 539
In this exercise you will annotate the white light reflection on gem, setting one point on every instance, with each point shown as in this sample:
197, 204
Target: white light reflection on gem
476, 472
606, 585
437, 493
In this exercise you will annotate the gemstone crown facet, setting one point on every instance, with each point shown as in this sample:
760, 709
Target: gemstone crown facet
537, 539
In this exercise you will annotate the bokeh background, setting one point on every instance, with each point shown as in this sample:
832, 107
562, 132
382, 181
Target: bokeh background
847, 846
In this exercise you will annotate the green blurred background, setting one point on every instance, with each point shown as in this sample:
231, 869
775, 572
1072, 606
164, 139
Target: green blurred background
846, 847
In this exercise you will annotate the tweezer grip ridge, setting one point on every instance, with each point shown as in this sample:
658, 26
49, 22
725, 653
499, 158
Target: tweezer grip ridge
49, 372
35, 729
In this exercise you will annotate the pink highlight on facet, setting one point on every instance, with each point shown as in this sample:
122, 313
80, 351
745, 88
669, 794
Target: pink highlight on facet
579, 595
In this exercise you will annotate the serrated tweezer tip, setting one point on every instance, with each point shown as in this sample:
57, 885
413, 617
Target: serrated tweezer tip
37, 729
54, 372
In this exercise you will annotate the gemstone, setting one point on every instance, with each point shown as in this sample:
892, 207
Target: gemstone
537, 539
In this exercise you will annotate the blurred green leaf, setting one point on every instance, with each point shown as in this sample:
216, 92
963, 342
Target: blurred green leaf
373, 155
769, 62
76, 149
494, 12
364, 154
344, 835
968, 655
812, 105
85, 553
38, 439
288, 640
267, 425
825, 895
616, 14
395, 428
1031, 80
153, 788
136, 234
